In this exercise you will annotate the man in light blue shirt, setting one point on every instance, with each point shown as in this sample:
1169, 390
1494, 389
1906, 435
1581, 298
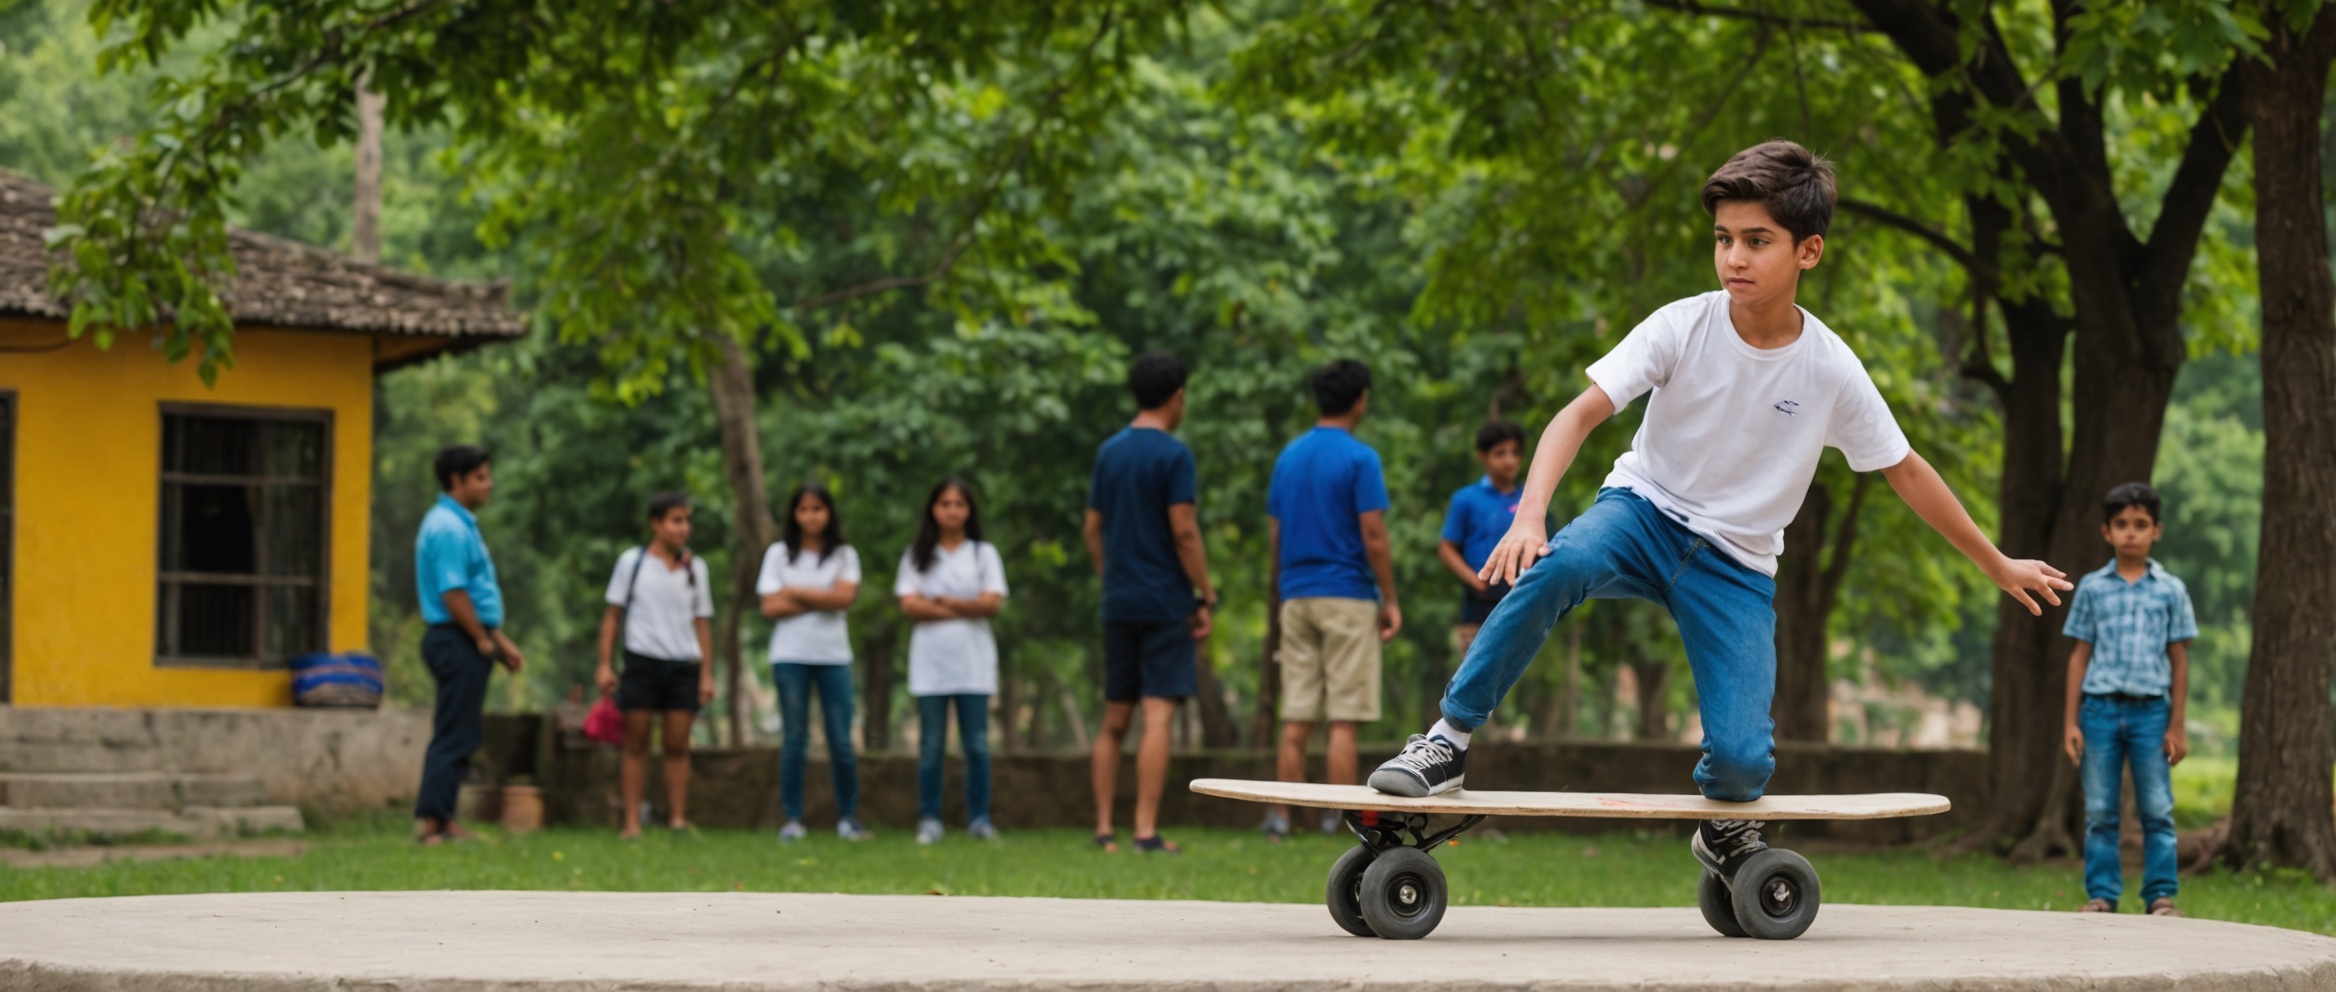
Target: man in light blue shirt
454, 579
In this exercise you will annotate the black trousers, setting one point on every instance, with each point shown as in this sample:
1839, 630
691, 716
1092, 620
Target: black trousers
455, 724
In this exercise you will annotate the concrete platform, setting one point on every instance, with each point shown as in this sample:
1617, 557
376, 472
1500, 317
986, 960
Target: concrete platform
512, 941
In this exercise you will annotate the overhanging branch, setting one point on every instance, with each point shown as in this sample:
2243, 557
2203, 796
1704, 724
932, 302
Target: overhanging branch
1936, 238
1764, 17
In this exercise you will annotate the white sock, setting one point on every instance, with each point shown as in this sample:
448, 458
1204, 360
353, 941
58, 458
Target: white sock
1445, 730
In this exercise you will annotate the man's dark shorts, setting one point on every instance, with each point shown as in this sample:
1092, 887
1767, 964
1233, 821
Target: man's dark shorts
1475, 606
1147, 660
657, 684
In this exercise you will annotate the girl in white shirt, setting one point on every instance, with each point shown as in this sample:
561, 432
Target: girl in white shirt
951, 582
660, 598
809, 579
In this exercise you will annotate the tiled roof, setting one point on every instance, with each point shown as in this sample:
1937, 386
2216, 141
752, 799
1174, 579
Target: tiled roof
278, 283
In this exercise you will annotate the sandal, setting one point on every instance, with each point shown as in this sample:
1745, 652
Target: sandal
2164, 906
1108, 842
2098, 906
1156, 843
1276, 829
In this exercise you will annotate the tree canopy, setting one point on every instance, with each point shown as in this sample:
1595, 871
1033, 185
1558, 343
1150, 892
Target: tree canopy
939, 230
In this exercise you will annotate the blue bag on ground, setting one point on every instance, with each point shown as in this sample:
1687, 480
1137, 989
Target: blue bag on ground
350, 680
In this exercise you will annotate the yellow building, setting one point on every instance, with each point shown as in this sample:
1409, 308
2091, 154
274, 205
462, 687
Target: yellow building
164, 543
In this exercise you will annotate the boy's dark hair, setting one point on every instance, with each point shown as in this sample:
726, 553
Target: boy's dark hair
1494, 432
1155, 376
831, 536
457, 460
1339, 385
666, 502
929, 529
1794, 183
2130, 494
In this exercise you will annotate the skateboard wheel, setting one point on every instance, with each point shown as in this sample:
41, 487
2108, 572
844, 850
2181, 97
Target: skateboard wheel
1712, 896
1403, 894
1345, 892
1776, 895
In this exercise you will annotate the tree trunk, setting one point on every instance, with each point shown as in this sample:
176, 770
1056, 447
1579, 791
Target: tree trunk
2281, 810
1036, 738
1269, 680
1654, 718
1808, 585
1569, 702
1009, 697
1216, 717
876, 686
732, 385
2126, 293
365, 215
2024, 761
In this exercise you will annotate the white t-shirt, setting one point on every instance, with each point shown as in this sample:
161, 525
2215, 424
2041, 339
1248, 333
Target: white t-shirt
661, 604
818, 637
1733, 433
953, 657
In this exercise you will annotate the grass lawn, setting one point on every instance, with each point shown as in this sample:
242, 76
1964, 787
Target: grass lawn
1617, 869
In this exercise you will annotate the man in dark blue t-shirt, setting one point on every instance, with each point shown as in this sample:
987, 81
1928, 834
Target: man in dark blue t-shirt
1145, 541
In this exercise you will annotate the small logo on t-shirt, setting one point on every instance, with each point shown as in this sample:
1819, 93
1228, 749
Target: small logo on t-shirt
1788, 407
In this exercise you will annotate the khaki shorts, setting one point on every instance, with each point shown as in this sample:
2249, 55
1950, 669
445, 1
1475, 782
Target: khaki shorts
1330, 659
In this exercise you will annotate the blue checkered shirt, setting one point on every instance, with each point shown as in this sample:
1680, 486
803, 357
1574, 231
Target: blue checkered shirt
2129, 625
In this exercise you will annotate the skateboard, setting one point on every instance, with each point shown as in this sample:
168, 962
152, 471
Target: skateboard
1388, 885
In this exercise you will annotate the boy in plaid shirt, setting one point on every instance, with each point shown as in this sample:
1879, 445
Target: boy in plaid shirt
2127, 683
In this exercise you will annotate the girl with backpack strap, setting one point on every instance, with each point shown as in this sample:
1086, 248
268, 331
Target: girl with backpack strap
659, 605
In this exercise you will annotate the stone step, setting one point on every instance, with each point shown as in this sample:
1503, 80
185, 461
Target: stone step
128, 790
200, 822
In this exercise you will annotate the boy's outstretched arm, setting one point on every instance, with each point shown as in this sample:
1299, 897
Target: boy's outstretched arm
1528, 536
1920, 486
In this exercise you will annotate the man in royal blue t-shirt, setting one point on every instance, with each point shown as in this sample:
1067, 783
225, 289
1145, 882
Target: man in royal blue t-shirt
1335, 579
1142, 533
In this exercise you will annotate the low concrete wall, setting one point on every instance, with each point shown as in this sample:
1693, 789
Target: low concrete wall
344, 762
1034, 790
328, 762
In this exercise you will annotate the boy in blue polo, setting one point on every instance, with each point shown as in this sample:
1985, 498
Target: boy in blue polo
2127, 683
1477, 520
1748, 389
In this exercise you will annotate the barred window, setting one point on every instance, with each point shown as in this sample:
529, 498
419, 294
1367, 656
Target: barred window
244, 539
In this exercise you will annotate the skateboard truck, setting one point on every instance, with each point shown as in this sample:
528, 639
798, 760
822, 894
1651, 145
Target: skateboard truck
1380, 830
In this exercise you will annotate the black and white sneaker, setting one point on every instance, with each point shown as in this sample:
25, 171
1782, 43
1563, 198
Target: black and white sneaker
1428, 766
1724, 845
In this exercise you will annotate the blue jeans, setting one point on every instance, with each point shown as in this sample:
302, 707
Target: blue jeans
1625, 548
973, 737
834, 683
2118, 730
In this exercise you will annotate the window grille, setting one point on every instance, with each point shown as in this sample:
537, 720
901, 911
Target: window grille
245, 536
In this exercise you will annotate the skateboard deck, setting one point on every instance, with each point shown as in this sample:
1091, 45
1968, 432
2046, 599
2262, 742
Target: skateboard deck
1625, 805
1390, 886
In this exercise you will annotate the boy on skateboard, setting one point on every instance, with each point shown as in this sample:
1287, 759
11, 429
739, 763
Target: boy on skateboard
2127, 683
1748, 389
